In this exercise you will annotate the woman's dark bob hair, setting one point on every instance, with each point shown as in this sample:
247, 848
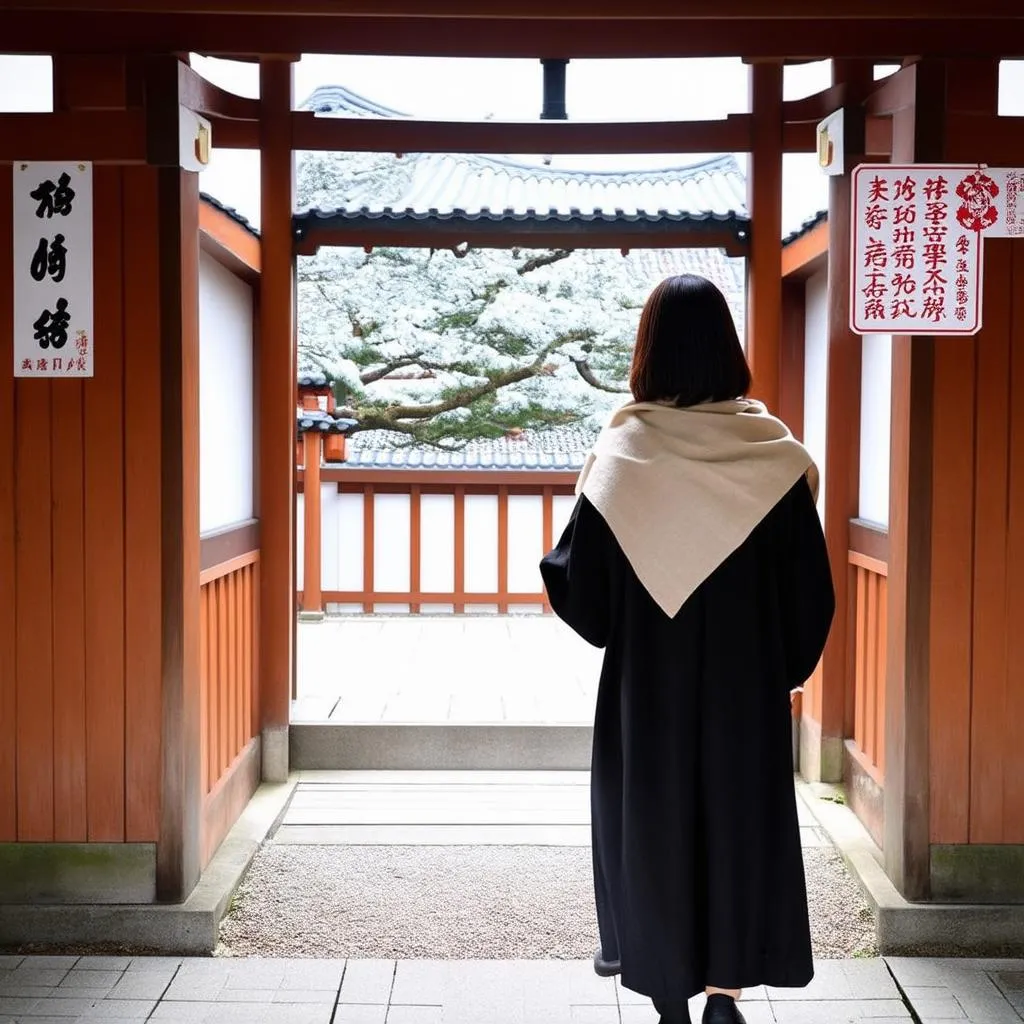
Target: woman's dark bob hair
687, 350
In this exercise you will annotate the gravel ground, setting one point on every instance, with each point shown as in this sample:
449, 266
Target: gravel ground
467, 902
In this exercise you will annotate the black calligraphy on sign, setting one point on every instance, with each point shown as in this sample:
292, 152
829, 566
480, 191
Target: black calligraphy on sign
50, 258
54, 200
51, 329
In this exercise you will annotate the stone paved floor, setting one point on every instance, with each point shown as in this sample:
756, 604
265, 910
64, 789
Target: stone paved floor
441, 669
102, 990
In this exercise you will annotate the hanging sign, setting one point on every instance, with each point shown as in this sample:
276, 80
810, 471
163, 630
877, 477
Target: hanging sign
53, 270
917, 237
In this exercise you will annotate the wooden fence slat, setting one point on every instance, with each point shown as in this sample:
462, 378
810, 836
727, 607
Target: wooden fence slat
883, 641
247, 634
8, 632
859, 633
415, 541
368, 543
871, 667
204, 686
143, 535
69, 796
234, 682
503, 550
223, 696
459, 525
104, 524
34, 614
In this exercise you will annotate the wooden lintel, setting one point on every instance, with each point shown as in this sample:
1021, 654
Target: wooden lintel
229, 242
35, 30
205, 98
98, 136
541, 10
806, 254
893, 93
508, 235
394, 135
407, 136
231, 134
816, 107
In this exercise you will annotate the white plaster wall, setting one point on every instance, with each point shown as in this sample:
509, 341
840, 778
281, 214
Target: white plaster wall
348, 520
225, 397
562, 506
525, 543
816, 373
481, 543
300, 539
437, 544
875, 418
391, 542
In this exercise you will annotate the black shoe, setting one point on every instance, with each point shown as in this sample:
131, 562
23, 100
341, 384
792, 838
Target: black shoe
606, 968
722, 1009
672, 1013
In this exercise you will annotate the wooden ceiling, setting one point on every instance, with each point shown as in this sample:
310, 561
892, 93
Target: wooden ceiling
754, 29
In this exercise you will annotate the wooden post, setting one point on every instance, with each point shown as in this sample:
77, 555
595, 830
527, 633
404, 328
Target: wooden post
764, 280
312, 596
821, 755
917, 135
277, 390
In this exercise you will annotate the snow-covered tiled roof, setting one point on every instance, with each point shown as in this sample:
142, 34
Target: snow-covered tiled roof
446, 187
808, 225
560, 448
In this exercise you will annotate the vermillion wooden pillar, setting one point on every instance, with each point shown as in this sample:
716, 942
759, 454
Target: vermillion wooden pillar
179, 852
277, 390
764, 265
312, 594
824, 728
917, 135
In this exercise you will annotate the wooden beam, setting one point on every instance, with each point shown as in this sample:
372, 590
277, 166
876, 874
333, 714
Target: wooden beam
281, 33
276, 447
543, 10
808, 253
398, 135
407, 135
894, 93
764, 268
229, 242
210, 100
100, 136
493, 235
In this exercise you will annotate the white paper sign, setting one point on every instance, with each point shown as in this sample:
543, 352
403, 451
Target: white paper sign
53, 270
917, 239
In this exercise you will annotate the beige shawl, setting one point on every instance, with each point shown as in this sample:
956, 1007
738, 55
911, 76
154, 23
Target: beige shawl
682, 488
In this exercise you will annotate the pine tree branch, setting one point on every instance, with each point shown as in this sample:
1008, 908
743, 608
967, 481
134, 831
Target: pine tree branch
372, 376
459, 398
584, 369
536, 262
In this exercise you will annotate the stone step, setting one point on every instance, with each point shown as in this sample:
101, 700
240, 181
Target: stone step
452, 747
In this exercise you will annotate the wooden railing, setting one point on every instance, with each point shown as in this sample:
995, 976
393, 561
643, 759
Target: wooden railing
457, 594
869, 589
229, 600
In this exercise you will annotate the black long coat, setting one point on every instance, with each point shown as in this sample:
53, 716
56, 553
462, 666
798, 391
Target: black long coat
698, 872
